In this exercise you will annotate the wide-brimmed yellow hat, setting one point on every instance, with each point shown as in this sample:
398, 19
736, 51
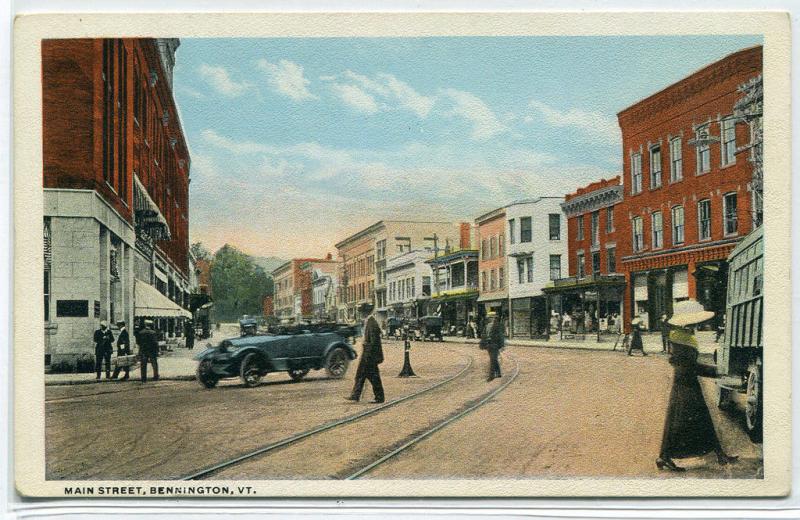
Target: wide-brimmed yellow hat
689, 312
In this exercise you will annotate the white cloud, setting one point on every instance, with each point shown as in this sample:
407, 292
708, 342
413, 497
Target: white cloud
408, 97
219, 79
238, 148
485, 123
593, 124
286, 77
356, 98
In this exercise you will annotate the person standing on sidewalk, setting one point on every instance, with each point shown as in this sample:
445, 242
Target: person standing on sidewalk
371, 357
664, 333
189, 334
148, 349
688, 428
636, 337
493, 341
123, 349
103, 346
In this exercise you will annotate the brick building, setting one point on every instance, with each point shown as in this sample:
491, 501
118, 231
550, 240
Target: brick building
293, 290
591, 296
491, 228
687, 192
116, 177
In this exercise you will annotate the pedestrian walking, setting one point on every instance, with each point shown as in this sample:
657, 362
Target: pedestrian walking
493, 341
148, 349
688, 429
636, 337
103, 346
123, 349
371, 357
664, 333
189, 334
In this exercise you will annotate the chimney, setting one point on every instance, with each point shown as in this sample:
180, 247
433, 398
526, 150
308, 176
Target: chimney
464, 235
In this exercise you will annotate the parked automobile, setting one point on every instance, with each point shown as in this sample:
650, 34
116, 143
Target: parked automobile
248, 326
429, 327
295, 351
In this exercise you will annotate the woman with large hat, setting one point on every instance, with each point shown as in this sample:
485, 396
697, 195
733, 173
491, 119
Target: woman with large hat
688, 429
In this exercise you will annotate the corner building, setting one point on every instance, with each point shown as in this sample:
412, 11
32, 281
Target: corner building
116, 190
687, 190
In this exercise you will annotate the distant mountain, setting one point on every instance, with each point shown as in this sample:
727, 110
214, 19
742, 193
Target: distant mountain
268, 263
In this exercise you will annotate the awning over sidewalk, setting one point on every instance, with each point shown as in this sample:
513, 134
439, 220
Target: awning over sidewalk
150, 302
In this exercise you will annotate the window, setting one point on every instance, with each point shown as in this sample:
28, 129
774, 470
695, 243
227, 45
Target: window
426, 286
492, 280
703, 150
580, 227
596, 262
728, 138
501, 277
636, 173
655, 167
555, 226
611, 259
501, 245
483, 280
595, 228
525, 231
610, 219
484, 249
512, 228
658, 229
581, 267
492, 247
638, 234
675, 160
520, 270
704, 219
555, 267
380, 249
529, 268
677, 225
729, 204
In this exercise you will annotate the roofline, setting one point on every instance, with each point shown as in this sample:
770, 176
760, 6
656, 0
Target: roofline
533, 200
490, 215
374, 227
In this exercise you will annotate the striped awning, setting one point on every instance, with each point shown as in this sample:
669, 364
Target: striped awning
151, 303
48, 245
148, 215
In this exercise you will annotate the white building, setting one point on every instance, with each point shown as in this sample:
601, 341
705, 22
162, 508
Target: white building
323, 300
408, 283
537, 251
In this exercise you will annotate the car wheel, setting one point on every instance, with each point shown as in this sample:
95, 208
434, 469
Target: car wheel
754, 405
298, 373
250, 372
336, 363
205, 376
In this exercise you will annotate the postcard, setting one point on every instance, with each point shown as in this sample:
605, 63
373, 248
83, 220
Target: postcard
429, 255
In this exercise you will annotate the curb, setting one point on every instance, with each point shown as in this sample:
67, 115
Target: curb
103, 381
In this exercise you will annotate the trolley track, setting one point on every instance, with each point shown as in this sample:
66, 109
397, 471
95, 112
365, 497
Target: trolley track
292, 439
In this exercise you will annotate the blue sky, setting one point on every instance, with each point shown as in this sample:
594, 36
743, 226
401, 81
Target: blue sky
297, 142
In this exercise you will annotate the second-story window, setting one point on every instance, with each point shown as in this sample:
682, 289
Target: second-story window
636, 173
658, 229
501, 245
501, 278
729, 204
728, 139
529, 268
555, 267
704, 219
703, 150
512, 228
675, 160
492, 247
554, 221
492, 280
610, 219
677, 225
483, 281
611, 259
579, 234
655, 167
581, 266
520, 270
595, 262
638, 234
595, 228
525, 231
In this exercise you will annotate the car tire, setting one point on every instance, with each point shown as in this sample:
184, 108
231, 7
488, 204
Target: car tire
205, 376
336, 363
250, 371
754, 407
297, 374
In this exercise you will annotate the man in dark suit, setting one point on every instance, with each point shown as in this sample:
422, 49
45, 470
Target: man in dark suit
148, 349
123, 349
103, 345
493, 341
371, 357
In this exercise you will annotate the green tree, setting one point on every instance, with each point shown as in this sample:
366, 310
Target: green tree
238, 284
200, 251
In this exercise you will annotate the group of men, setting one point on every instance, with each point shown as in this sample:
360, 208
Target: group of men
146, 338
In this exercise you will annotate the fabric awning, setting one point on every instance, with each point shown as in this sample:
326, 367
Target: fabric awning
148, 214
150, 302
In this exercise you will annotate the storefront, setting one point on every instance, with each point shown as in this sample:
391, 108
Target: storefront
586, 306
456, 311
529, 317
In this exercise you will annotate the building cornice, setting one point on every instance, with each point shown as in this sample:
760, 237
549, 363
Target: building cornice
491, 215
592, 201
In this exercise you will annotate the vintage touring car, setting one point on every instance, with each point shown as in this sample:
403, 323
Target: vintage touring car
293, 350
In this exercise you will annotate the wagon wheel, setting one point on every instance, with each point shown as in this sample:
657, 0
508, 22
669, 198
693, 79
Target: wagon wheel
753, 411
297, 373
250, 372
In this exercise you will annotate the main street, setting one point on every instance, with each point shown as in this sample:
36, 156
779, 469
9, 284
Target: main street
567, 413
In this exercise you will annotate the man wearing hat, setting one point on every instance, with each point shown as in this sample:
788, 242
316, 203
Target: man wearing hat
148, 349
103, 345
371, 357
493, 341
636, 336
664, 333
688, 429
123, 349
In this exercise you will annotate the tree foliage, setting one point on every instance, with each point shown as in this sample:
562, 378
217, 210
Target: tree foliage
238, 284
200, 252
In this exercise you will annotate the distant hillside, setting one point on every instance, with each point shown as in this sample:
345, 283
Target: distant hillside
268, 263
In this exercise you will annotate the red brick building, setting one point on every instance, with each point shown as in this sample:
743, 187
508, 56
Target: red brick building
293, 291
115, 178
592, 294
687, 196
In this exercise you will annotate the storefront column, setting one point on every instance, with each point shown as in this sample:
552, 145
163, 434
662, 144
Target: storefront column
692, 279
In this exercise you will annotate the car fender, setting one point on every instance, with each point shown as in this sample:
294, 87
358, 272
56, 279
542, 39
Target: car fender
351, 353
263, 359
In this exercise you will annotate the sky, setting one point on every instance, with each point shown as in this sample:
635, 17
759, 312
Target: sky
296, 143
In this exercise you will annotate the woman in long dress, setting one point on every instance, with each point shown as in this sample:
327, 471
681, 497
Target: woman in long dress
688, 429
